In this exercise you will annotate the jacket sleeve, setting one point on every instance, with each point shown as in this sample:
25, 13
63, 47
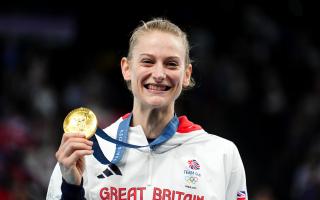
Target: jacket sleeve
59, 189
237, 188
72, 192
54, 188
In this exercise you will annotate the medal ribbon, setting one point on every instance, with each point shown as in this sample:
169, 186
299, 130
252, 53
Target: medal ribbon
122, 139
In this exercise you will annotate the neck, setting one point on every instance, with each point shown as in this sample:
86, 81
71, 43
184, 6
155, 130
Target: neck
153, 121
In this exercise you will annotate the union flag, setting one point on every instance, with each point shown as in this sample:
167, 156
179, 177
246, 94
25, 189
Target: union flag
193, 164
241, 195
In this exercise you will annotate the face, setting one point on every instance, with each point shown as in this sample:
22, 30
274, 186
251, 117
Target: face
157, 70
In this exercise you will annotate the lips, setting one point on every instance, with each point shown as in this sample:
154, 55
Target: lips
157, 87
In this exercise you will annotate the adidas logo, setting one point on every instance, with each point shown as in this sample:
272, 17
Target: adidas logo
112, 169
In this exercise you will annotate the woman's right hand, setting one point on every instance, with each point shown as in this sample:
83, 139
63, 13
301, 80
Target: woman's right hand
70, 156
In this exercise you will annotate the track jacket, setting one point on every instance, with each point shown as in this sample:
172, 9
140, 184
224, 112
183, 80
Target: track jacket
191, 165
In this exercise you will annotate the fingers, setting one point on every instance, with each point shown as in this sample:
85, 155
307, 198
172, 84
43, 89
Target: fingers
73, 146
74, 158
70, 156
67, 136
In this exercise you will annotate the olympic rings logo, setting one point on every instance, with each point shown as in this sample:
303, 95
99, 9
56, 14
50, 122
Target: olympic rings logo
191, 179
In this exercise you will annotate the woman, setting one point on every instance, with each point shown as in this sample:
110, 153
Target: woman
178, 160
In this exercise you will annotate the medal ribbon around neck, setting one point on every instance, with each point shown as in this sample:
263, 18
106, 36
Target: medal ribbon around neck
122, 139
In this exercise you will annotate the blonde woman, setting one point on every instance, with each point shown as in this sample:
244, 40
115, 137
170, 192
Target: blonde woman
154, 154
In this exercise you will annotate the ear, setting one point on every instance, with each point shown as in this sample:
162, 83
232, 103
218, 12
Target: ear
187, 76
125, 69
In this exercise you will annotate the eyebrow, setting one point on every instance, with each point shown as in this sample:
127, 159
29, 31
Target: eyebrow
150, 55
145, 54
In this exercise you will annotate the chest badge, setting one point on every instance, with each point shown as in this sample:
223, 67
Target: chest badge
192, 174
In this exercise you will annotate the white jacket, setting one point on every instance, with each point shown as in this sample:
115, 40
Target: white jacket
192, 165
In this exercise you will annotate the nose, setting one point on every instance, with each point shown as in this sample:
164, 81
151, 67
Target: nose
159, 73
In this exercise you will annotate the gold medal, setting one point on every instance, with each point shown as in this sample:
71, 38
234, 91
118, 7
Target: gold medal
81, 120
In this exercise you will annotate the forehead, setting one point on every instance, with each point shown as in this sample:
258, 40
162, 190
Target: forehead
159, 43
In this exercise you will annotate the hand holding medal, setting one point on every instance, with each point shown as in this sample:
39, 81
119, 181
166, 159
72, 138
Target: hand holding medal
79, 125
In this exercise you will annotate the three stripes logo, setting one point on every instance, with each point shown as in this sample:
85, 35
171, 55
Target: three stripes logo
112, 169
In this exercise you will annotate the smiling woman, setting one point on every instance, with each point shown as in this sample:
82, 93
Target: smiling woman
165, 151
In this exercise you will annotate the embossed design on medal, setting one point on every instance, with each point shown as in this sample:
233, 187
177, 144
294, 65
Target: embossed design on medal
81, 120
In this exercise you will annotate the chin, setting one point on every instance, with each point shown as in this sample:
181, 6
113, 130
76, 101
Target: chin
158, 102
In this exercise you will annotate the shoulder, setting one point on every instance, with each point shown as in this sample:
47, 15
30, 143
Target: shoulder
188, 129
223, 149
216, 142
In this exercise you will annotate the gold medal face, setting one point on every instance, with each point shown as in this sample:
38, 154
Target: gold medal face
81, 120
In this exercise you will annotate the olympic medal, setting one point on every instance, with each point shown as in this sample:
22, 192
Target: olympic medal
81, 120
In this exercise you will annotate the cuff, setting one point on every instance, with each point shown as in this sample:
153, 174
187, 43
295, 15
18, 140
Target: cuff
70, 191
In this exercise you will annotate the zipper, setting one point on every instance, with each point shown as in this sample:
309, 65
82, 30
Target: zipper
150, 162
149, 190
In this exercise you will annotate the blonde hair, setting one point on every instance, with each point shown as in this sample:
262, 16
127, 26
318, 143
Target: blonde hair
163, 25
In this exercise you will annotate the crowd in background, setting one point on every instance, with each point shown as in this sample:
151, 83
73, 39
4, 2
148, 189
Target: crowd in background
258, 84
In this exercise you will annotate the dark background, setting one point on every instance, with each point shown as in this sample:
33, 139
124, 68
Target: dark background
256, 64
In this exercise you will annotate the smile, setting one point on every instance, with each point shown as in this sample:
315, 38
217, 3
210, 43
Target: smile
157, 87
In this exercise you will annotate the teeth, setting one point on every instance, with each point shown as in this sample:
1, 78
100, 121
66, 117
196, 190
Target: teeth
156, 87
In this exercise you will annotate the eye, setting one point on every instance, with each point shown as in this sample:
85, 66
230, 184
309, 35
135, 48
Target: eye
172, 64
147, 61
